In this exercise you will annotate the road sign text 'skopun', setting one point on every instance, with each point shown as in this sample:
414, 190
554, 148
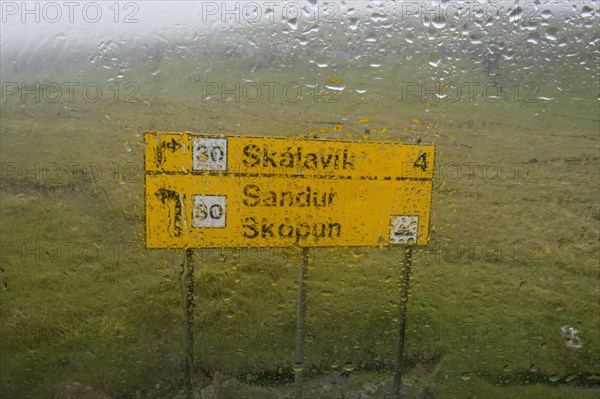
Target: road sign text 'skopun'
208, 191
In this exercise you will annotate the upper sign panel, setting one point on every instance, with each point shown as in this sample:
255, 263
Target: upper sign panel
187, 153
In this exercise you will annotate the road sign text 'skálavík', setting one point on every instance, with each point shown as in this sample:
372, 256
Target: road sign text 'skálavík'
209, 191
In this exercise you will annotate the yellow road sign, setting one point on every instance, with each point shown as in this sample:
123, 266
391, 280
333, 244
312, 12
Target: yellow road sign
243, 155
212, 211
235, 191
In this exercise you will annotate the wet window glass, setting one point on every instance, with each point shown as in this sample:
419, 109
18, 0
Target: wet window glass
299, 199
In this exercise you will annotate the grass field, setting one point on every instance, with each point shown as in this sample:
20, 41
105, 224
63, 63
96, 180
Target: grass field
513, 254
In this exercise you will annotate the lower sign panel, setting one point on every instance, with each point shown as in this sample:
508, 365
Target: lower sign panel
225, 211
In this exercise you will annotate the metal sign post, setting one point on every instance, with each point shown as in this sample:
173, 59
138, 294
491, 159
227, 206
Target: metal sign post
300, 317
187, 279
402, 309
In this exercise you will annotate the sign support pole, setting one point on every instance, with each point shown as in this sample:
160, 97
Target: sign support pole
187, 277
404, 287
300, 316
